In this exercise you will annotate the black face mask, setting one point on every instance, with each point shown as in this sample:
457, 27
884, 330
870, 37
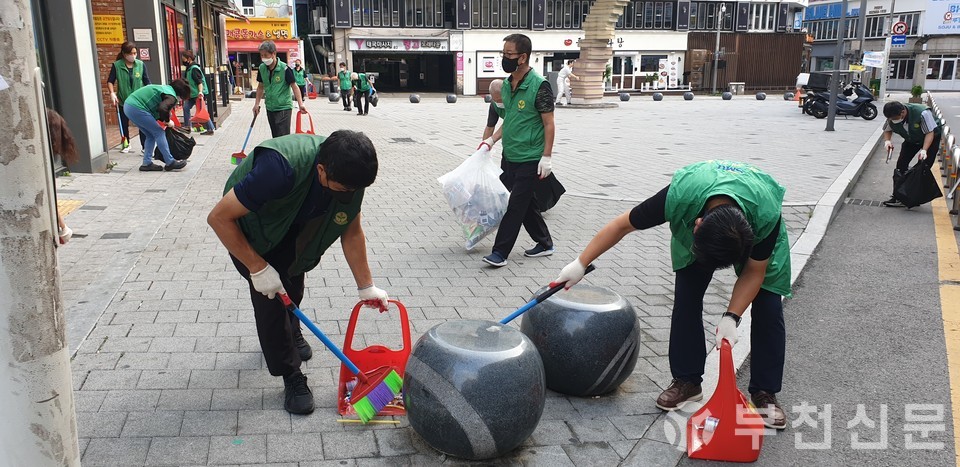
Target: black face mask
510, 64
342, 197
186, 63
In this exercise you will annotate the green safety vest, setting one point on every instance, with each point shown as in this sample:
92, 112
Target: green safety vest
300, 76
194, 91
758, 195
344, 77
124, 88
265, 228
148, 97
523, 134
362, 84
910, 128
276, 91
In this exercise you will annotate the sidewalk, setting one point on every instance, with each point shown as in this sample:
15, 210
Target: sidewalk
171, 371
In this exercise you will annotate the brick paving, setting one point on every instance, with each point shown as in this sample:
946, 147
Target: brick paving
168, 370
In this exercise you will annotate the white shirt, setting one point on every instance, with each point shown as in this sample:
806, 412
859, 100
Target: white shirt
565, 72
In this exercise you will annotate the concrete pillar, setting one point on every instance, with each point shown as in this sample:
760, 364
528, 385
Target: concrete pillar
599, 29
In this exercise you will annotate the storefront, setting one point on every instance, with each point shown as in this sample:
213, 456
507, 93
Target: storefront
408, 63
244, 39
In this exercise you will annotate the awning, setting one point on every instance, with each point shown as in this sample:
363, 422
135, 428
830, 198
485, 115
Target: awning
252, 46
228, 8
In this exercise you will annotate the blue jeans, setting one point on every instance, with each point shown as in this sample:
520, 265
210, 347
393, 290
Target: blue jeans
155, 136
187, 107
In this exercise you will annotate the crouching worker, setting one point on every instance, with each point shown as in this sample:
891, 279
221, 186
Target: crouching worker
721, 213
288, 201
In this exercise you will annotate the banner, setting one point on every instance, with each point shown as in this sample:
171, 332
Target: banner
259, 29
873, 59
942, 17
401, 45
108, 29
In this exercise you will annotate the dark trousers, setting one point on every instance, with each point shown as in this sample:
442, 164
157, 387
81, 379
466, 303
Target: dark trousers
125, 125
365, 95
276, 327
909, 150
279, 122
688, 353
345, 95
521, 179
303, 92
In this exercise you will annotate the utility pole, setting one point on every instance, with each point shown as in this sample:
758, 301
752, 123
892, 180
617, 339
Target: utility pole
835, 80
885, 71
716, 51
39, 425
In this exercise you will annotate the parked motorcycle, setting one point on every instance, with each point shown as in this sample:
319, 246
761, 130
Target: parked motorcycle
862, 106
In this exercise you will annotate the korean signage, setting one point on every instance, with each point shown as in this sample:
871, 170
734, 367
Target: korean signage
341, 14
259, 29
539, 15
683, 16
400, 45
463, 14
109, 29
942, 17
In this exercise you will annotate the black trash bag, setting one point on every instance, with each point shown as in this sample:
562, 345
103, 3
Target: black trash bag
917, 186
548, 192
180, 142
374, 98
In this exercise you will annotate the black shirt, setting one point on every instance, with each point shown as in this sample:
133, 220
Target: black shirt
544, 102
287, 76
492, 116
272, 178
653, 212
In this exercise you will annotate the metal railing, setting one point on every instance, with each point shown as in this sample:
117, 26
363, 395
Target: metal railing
949, 157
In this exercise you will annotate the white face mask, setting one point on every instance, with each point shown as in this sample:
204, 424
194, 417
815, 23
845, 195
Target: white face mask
268, 61
896, 122
131, 58
500, 104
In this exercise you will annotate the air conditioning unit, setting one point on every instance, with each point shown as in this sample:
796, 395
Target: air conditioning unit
323, 25
249, 11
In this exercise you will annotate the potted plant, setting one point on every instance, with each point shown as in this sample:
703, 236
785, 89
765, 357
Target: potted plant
608, 77
915, 92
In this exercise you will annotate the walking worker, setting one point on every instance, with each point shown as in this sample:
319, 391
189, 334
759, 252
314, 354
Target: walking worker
277, 84
148, 105
129, 74
361, 90
490, 135
198, 89
289, 201
721, 213
921, 132
343, 77
300, 76
563, 82
528, 131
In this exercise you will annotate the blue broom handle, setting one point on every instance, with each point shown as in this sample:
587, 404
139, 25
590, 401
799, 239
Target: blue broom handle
320, 335
545, 295
244, 148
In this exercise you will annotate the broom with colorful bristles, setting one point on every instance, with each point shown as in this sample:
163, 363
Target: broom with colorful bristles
375, 389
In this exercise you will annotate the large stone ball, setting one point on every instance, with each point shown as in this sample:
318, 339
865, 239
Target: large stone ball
474, 389
658, 96
688, 96
788, 96
727, 96
415, 98
588, 338
624, 97
761, 96
451, 98
333, 96
487, 99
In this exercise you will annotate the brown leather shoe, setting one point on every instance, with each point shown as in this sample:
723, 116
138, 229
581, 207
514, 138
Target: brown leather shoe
678, 393
769, 408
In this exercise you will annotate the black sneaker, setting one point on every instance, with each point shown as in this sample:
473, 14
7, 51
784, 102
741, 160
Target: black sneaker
175, 165
150, 168
207, 133
893, 202
306, 353
494, 259
538, 251
297, 397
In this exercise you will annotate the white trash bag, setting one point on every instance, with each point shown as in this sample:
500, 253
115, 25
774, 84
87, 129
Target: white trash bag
476, 195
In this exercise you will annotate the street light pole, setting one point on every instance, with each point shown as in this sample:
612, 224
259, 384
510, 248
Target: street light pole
835, 81
716, 53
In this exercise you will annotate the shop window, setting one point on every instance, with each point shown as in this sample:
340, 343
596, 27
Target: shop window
651, 63
703, 16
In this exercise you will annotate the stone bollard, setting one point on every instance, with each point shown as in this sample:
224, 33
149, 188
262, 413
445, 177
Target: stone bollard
658, 96
761, 96
727, 96
688, 96
415, 98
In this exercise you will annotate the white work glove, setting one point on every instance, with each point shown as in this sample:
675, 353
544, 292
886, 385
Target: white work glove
489, 142
65, 234
544, 168
267, 282
922, 154
888, 145
170, 124
113, 98
570, 274
303, 107
374, 297
727, 329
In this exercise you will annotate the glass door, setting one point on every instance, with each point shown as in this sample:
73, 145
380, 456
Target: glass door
623, 73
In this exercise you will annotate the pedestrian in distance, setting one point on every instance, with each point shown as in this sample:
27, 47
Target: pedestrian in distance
528, 130
563, 82
276, 85
360, 84
282, 208
345, 84
300, 76
127, 74
721, 214
921, 132
147, 106
198, 89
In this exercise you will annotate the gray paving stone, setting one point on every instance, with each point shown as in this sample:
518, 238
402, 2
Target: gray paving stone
152, 330
164, 379
183, 315
178, 451
264, 421
546, 456
348, 445
111, 379
552, 433
218, 344
173, 344
592, 454
623, 448
204, 423
213, 379
193, 361
634, 426
237, 399
88, 401
130, 400
395, 442
100, 424
239, 361
600, 429
653, 454
294, 447
185, 399
245, 449
195, 329
143, 361
116, 451
149, 424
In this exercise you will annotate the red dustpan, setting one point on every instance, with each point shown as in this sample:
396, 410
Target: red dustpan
371, 358
727, 428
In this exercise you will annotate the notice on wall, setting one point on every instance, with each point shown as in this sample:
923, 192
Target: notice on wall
108, 29
142, 35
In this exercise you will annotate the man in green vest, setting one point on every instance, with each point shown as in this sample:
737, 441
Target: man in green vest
300, 76
283, 206
721, 213
361, 90
921, 132
198, 89
276, 83
528, 131
343, 79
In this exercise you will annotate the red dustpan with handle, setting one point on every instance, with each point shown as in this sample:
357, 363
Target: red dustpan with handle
727, 428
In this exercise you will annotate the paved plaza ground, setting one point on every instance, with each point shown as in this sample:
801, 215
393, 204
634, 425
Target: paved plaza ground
168, 368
